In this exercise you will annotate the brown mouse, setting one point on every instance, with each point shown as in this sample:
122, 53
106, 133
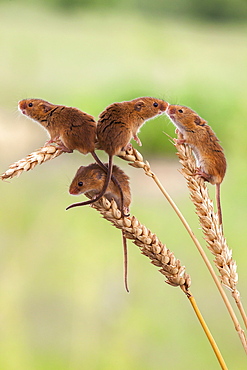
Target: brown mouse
200, 137
118, 124
91, 179
74, 129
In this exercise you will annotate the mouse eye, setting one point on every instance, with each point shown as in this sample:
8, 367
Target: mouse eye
80, 183
155, 104
180, 111
30, 105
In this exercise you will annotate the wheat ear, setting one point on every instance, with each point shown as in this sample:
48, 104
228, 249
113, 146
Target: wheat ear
148, 242
159, 255
39, 156
136, 159
209, 221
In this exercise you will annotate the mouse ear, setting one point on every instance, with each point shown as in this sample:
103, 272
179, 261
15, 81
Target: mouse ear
199, 121
138, 105
46, 107
79, 169
98, 175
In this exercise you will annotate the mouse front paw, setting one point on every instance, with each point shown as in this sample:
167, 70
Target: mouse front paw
136, 138
180, 141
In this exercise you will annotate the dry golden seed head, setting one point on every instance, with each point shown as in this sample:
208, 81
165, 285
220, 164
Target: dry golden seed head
148, 243
138, 232
155, 240
135, 222
147, 240
204, 207
208, 218
144, 231
38, 157
156, 248
126, 222
138, 155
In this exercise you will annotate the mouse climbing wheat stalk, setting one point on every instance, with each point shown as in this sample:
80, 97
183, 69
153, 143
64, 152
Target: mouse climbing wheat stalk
118, 124
90, 179
68, 127
208, 152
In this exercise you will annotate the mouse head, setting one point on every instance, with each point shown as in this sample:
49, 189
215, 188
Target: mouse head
184, 117
147, 107
87, 179
36, 109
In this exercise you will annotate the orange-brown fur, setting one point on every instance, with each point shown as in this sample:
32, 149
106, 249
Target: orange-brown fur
69, 127
209, 154
75, 129
93, 178
90, 180
117, 125
203, 141
120, 122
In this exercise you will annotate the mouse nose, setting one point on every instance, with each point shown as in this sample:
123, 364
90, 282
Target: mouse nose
22, 105
171, 110
73, 191
163, 106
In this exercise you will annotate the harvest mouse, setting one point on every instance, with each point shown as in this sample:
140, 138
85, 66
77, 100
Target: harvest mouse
91, 179
200, 137
74, 129
118, 124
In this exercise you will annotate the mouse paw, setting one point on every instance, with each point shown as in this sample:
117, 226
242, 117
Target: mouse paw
202, 174
125, 212
60, 145
127, 147
180, 141
136, 138
48, 142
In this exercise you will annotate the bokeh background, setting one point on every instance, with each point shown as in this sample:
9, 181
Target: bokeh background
63, 303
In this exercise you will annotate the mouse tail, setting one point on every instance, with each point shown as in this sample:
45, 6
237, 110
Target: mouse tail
101, 164
218, 204
125, 262
100, 195
113, 178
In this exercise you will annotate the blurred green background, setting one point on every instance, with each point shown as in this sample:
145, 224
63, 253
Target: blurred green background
63, 303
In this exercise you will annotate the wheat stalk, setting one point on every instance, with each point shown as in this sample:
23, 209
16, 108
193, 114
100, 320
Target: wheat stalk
136, 159
39, 156
209, 221
148, 242
159, 255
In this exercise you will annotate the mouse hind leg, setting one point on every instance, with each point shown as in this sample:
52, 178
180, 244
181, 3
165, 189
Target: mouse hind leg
203, 174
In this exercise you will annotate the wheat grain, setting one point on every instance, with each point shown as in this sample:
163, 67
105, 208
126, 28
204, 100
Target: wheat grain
137, 161
204, 207
209, 222
39, 156
148, 243
159, 255
208, 218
